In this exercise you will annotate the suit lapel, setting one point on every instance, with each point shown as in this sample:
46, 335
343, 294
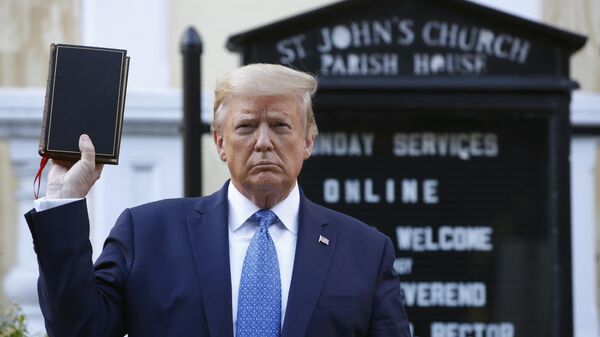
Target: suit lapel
210, 245
310, 269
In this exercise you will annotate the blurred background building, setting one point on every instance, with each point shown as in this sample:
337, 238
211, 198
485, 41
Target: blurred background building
151, 163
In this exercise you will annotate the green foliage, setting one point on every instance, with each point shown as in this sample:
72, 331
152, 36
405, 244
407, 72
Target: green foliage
13, 322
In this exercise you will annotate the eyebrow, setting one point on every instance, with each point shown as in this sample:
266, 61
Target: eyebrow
243, 119
249, 115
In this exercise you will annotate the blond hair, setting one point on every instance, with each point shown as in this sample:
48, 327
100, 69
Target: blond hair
261, 79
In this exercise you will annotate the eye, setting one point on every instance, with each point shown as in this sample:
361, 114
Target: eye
244, 127
282, 125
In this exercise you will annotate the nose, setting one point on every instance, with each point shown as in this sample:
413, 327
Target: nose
263, 141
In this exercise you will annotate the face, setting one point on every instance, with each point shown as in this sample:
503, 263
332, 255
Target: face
264, 142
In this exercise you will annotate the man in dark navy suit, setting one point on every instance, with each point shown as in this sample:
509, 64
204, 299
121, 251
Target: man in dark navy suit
256, 258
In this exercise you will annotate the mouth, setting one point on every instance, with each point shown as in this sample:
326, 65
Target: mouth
265, 165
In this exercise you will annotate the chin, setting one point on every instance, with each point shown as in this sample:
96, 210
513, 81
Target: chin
267, 182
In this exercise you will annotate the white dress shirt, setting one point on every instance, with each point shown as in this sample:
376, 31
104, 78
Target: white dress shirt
283, 232
43, 204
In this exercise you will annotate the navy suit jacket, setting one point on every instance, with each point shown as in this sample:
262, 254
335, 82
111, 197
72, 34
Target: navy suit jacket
164, 271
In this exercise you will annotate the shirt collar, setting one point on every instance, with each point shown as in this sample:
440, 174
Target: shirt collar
241, 208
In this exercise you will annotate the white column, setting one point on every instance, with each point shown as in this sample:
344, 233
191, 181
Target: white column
583, 241
20, 284
141, 27
20, 113
585, 111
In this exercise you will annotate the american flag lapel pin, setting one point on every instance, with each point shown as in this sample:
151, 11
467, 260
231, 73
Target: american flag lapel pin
323, 240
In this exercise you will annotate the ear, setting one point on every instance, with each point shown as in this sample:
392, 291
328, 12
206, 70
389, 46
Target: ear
218, 138
309, 142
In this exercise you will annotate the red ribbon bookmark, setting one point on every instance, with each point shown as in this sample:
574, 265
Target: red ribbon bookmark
38, 177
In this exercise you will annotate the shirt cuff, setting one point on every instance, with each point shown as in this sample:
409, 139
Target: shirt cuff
43, 204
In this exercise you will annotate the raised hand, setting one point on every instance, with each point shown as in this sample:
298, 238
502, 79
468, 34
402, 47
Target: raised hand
74, 180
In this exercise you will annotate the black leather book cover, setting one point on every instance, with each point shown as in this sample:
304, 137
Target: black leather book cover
85, 94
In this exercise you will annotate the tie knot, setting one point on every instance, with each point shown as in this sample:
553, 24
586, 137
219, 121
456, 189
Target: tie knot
264, 217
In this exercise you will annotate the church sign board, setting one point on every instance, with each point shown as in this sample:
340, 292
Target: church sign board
445, 125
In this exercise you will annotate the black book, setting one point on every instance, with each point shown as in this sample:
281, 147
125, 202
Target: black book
85, 94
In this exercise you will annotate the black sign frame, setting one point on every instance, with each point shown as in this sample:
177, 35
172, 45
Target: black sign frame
535, 85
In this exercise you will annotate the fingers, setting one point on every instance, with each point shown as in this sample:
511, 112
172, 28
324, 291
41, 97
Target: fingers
98, 170
54, 186
65, 164
88, 152
68, 179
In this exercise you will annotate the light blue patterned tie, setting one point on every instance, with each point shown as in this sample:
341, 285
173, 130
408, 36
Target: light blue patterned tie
259, 301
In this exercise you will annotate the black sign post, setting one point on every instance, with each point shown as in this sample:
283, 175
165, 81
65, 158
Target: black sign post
445, 124
191, 50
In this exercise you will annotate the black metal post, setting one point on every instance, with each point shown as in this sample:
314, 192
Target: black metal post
191, 50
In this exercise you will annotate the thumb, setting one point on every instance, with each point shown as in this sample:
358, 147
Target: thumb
88, 153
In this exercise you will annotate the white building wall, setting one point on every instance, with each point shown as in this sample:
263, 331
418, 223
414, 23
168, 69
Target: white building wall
529, 9
150, 165
583, 240
584, 181
150, 168
140, 26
